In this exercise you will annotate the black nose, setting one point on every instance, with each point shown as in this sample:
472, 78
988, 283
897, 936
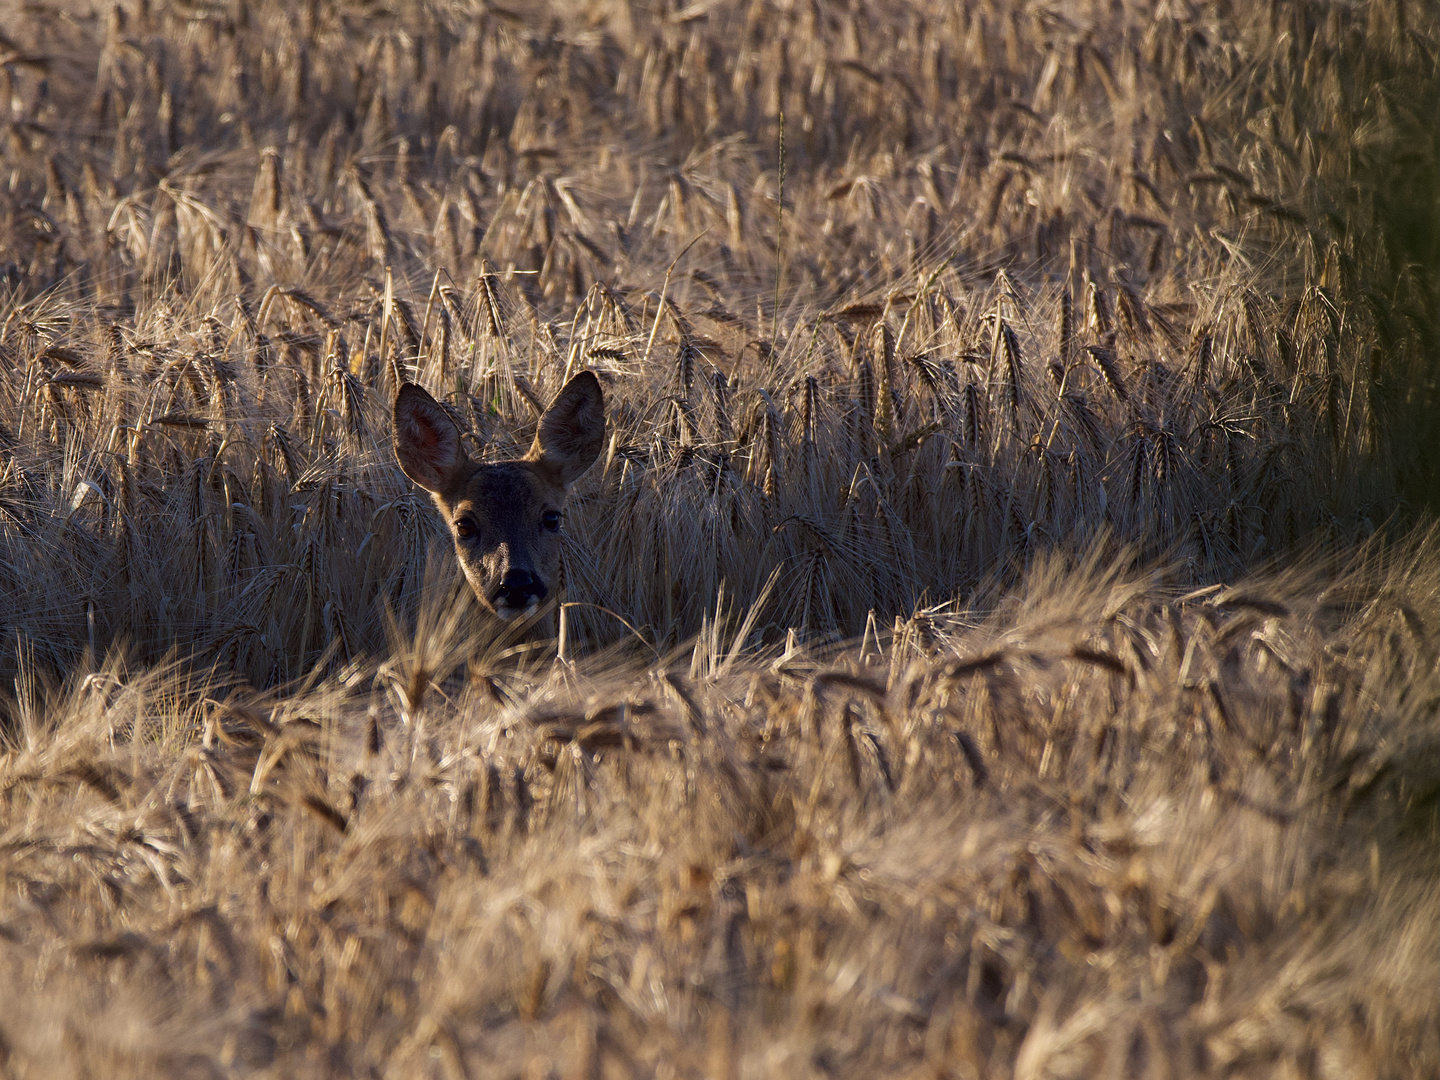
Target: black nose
519, 589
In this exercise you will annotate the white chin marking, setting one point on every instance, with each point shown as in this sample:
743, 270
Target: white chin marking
508, 613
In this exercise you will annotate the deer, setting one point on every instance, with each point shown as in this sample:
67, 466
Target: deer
504, 516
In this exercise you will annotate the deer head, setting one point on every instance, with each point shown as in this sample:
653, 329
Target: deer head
504, 516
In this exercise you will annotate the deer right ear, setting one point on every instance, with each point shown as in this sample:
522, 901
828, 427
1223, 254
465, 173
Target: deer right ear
427, 442
572, 431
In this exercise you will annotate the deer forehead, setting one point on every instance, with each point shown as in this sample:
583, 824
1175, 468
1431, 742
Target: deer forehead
497, 493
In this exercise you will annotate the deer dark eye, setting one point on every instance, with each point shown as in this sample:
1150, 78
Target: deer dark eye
464, 528
551, 520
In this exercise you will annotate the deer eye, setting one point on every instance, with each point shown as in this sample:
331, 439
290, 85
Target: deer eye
464, 528
551, 520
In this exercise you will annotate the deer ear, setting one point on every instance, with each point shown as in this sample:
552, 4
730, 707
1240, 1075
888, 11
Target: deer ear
572, 429
427, 442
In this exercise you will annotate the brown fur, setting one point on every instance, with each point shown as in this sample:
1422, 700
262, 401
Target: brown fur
504, 517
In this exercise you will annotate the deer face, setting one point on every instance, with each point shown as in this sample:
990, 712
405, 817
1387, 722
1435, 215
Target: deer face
504, 517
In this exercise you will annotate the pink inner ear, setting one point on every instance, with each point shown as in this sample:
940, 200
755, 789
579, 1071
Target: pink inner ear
424, 435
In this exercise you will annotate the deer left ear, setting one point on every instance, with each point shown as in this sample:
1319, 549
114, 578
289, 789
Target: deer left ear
572, 430
427, 442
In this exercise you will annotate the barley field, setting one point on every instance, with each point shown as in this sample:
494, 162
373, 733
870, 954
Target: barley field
1001, 632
